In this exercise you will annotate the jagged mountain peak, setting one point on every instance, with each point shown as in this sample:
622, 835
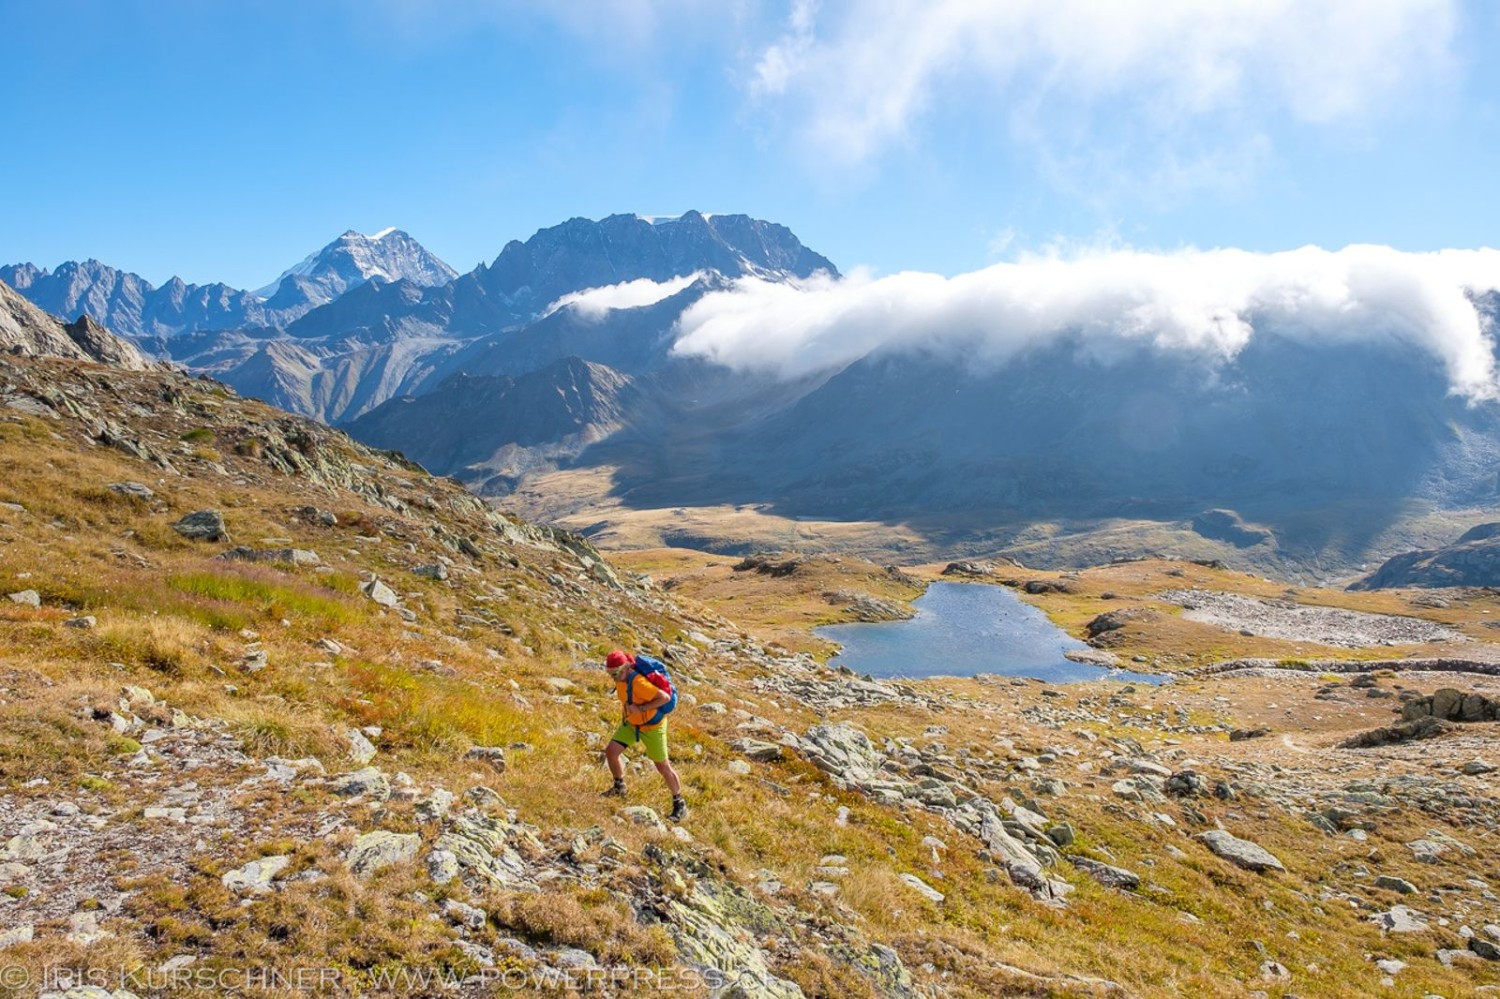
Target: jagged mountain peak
584, 253
354, 258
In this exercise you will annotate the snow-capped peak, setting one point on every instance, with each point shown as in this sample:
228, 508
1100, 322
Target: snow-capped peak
355, 258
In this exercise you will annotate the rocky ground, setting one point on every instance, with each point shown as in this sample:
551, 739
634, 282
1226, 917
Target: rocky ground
1287, 619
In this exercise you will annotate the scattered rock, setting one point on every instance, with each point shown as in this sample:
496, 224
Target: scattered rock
26, 598
642, 815
1400, 919
139, 490
1484, 948
288, 556
255, 877
380, 593
1240, 852
922, 887
370, 781
1395, 884
1425, 727
760, 752
83, 623
442, 866
1106, 875
361, 749
1452, 705
203, 525
16, 935
492, 756
381, 848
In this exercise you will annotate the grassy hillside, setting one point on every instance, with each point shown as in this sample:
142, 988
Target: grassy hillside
248, 769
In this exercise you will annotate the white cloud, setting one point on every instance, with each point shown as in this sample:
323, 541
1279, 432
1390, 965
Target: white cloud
593, 303
1209, 303
1069, 73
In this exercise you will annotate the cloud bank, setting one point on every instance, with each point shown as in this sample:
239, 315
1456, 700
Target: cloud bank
594, 303
1207, 303
856, 77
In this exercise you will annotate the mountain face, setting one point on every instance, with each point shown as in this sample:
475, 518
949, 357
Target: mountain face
349, 261
28, 331
1472, 560
129, 304
583, 254
380, 340
494, 430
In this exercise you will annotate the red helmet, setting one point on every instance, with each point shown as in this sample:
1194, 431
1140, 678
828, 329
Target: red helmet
616, 659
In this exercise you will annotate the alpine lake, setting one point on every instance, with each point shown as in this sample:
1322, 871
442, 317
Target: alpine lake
965, 629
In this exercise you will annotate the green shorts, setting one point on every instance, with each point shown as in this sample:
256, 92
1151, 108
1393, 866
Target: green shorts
654, 739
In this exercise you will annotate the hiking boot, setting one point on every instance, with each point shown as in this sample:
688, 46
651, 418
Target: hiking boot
679, 809
617, 790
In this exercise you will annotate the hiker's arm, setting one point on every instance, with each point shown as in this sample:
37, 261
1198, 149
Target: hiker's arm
662, 697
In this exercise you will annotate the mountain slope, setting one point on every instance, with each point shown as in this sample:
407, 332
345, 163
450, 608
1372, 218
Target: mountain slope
498, 428
28, 331
1472, 560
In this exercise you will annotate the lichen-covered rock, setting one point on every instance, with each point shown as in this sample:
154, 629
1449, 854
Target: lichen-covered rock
715, 928
480, 845
255, 877
381, 848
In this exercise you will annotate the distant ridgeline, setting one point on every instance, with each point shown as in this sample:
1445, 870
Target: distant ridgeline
1299, 454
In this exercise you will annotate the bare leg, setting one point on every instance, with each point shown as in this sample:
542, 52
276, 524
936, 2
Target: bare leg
670, 776
612, 755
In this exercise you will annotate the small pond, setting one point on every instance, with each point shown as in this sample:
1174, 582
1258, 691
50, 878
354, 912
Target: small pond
966, 628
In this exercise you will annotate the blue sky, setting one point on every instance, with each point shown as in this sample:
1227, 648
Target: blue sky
224, 141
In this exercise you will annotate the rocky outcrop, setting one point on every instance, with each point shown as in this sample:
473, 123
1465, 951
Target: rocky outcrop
1407, 731
27, 330
1449, 704
1472, 560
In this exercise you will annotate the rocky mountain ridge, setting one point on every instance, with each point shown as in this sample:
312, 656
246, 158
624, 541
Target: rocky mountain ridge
130, 305
1472, 560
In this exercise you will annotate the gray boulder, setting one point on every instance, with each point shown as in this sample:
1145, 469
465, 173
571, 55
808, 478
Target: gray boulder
1240, 852
203, 525
380, 593
1107, 875
138, 490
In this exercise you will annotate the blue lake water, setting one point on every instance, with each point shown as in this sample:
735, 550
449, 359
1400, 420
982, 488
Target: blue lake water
966, 628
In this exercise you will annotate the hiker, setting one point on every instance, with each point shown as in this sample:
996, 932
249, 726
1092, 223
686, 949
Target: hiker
646, 697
